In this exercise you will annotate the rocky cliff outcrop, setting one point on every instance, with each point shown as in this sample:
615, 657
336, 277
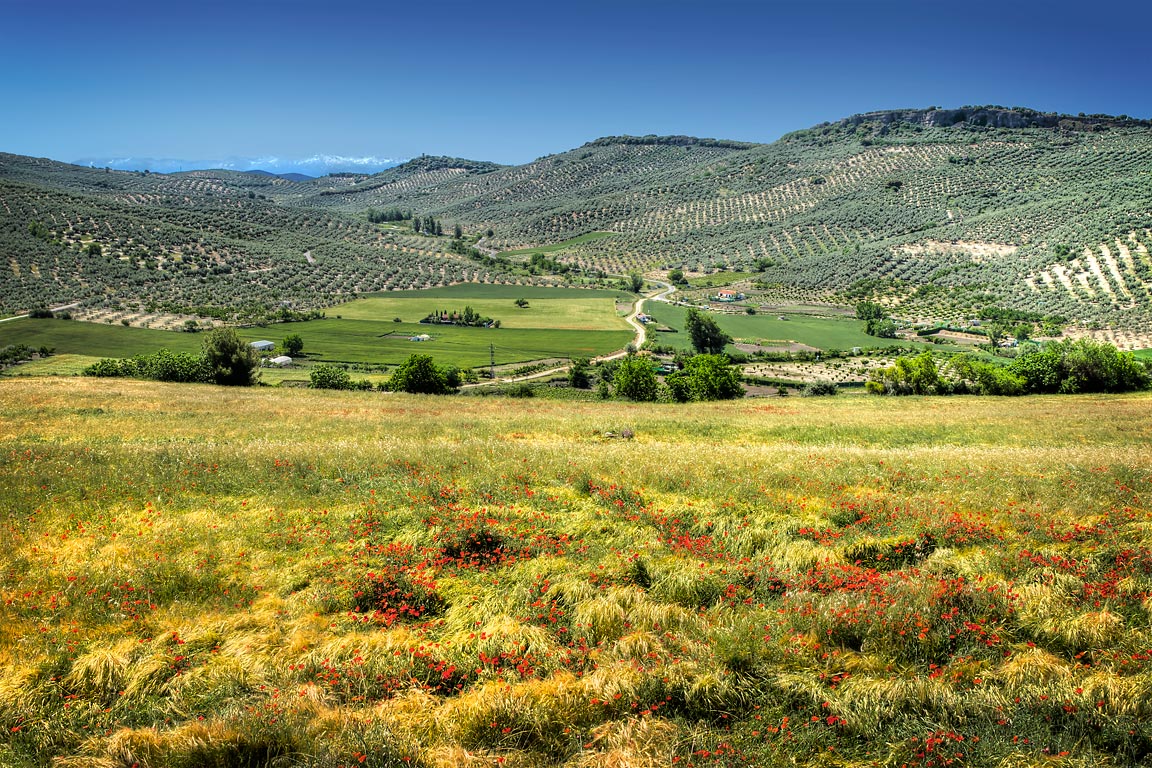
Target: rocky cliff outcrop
993, 117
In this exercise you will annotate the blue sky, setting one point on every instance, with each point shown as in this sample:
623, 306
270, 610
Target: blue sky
510, 81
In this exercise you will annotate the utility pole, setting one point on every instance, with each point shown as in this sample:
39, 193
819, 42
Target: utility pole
492, 361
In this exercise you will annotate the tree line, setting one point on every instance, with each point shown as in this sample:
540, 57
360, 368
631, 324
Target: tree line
1081, 366
390, 214
225, 360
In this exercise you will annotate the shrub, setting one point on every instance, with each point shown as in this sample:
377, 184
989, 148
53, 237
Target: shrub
329, 377
182, 367
578, 376
165, 365
909, 376
233, 362
107, 368
521, 390
819, 389
1083, 365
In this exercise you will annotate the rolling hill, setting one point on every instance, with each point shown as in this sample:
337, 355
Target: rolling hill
935, 212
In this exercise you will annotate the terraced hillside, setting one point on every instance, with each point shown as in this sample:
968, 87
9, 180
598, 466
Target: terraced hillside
196, 239
934, 212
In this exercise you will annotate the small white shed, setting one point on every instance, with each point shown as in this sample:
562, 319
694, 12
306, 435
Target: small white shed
263, 345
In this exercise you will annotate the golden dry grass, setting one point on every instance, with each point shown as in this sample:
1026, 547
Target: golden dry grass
310, 578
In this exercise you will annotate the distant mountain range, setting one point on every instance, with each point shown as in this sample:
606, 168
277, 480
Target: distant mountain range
288, 176
312, 167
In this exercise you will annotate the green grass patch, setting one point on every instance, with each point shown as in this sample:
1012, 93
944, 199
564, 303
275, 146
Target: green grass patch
346, 340
548, 308
373, 341
718, 279
563, 244
819, 332
97, 339
561, 323
56, 365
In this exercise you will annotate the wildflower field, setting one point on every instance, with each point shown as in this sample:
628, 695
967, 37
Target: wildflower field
200, 576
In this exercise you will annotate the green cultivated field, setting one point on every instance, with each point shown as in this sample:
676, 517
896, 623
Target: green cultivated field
550, 308
586, 238
97, 339
718, 279
56, 365
820, 332
374, 341
557, 323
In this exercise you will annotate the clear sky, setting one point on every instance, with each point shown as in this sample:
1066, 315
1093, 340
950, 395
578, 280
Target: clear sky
510, 81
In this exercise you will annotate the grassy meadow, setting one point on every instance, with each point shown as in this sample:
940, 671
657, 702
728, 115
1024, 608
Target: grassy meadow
769, 329
561, 246
718, 279
556, 323
547, 308
195, 575
95, 339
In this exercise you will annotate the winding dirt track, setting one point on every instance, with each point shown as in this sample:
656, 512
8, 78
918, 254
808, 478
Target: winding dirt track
666, 290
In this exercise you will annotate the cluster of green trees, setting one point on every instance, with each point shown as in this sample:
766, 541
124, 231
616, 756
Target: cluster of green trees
542, 263
165, 365
634, 378
1063, 367
389, 214
417, 375
1070, 367
701, 378
292, 344
428, 225
580, 373
468, 318
705, 377
38, 230
15, 353
225, 360
876, 320
633, 282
